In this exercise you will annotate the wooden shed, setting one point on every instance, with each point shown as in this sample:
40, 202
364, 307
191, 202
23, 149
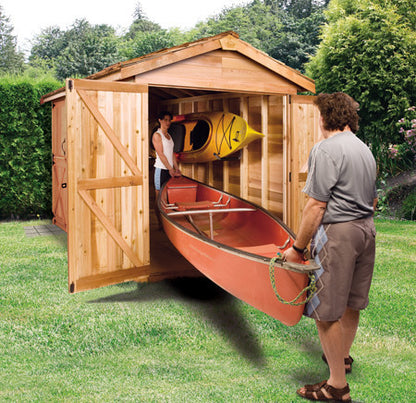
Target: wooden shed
100, 144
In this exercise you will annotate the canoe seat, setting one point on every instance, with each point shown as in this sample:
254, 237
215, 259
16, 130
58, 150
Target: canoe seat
203, 204
181, 190
267, 250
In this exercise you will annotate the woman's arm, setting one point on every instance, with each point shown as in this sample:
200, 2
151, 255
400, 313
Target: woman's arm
176, 165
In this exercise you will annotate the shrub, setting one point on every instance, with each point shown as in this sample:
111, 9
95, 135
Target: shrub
404, 153
368, 50
25, 148
408, 210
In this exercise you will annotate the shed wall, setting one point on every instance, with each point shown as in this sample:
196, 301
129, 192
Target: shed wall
59, 164
219, 70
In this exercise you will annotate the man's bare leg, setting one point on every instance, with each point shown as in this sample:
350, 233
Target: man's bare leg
332, 341
349, 323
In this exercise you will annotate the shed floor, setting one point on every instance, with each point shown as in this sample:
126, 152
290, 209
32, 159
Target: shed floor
165, 260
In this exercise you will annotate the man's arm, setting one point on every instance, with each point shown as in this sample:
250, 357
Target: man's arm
311, 218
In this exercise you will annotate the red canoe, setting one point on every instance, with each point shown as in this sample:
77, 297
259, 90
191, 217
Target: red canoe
231, 241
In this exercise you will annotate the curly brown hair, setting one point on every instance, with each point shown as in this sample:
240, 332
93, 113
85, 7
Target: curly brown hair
338, 110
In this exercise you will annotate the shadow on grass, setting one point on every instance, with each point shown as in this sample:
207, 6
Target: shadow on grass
207, 299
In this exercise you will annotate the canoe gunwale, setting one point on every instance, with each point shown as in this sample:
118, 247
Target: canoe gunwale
290, 266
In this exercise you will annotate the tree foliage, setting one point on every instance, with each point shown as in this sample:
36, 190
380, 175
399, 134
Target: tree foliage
47, 46
286, 30
11, 60
368, 50
141, 24
145, 36
301, 8
82, 50
256, 23
299, 38
145, 42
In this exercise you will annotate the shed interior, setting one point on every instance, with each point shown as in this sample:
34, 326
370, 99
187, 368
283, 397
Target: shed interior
256, 172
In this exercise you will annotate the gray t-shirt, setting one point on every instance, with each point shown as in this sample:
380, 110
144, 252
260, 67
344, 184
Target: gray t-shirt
342, 172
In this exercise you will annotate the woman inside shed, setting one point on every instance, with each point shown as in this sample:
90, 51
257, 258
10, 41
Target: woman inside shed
166, 164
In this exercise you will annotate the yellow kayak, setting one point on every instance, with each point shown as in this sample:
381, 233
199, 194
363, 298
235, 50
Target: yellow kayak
203, 137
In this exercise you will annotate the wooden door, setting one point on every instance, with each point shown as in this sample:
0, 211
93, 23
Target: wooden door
304, 132
59, 165
108, 211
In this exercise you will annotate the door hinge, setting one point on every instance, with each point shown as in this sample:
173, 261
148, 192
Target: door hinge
70, 85
290, 176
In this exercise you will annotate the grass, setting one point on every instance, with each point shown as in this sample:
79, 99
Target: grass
187, 340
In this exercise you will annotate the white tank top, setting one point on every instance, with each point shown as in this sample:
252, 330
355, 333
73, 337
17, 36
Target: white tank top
167, 150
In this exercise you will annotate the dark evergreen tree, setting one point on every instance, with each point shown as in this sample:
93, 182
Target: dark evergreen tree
11, 59
141, 23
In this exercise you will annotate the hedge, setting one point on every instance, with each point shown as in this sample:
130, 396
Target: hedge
25, 148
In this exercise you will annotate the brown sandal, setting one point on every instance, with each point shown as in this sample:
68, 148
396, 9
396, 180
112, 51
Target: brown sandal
347, 361
314, 392
317, 386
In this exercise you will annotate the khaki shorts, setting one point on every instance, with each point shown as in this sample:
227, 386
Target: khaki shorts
345, 252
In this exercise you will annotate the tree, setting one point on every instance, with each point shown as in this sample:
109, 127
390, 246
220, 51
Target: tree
299, 38
47, 46
80, 51
286, 30
88, 49
11, 60
301, 8
141, 23
145, 36
146, 42
257, 23
368, 50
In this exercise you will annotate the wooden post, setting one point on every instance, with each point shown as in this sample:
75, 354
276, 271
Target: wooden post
226, 167
244, 169
72, 129
265, 151
286, 162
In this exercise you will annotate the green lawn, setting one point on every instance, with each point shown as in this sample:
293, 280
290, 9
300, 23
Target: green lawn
187, 340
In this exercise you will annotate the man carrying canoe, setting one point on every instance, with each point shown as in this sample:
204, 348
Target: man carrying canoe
339, 218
